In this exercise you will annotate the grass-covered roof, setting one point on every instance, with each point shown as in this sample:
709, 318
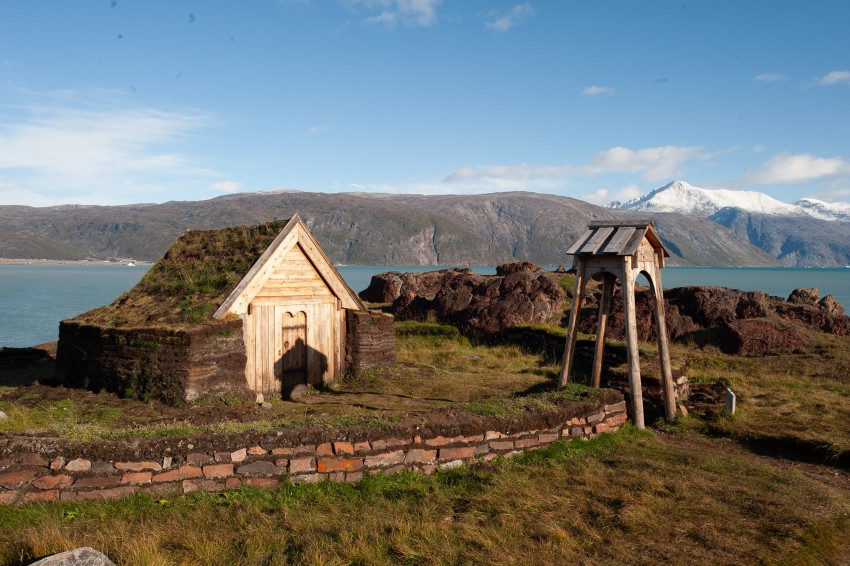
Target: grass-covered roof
194, 277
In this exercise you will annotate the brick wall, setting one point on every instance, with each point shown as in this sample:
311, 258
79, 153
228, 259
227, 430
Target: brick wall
153, 363
32, 470
370, 340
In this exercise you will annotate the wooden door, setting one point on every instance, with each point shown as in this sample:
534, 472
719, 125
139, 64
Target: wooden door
293, 352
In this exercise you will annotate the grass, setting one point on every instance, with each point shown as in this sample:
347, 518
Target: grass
624, 498
629, 497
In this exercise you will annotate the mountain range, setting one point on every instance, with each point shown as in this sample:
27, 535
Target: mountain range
366, 228
809, 232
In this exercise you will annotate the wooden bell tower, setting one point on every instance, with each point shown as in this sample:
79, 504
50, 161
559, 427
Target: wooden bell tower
621, 249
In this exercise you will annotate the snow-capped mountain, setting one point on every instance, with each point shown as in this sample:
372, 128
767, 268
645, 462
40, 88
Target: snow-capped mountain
825, 210
683, 198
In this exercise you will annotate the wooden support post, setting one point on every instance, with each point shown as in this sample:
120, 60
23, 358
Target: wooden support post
663, 349
602, 323
635, 390
572, 326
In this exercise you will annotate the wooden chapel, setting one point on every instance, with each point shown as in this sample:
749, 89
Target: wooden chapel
621, 249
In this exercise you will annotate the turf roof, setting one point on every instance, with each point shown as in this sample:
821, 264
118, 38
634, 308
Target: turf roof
194, 277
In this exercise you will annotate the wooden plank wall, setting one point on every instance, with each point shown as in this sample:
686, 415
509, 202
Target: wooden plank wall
294, 287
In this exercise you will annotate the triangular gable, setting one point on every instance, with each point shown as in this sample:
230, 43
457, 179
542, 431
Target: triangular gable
294, 233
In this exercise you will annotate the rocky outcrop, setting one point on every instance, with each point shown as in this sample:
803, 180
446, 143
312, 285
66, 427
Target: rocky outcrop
760, 336
689, 309
480, 305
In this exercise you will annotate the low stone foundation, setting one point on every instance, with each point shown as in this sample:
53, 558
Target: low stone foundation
38, 470
173, 366
370, 340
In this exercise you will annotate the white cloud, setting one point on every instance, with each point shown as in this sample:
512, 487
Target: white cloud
318, 129
769, 77
506, 20
226, 186
82, 150
834, 78
654, 163
597, 90
604, 196
414, 13
788, 168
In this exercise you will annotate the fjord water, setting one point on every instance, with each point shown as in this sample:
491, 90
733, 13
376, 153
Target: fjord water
34, 298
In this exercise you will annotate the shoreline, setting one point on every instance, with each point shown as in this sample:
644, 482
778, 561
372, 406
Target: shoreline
9, 261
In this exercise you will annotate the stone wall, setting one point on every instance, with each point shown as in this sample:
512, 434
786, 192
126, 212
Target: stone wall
370, 340
173, 366
38, 470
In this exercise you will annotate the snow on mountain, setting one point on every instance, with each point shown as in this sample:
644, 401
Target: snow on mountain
825, 210
681, 197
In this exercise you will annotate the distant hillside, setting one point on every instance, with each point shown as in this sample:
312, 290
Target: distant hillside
368, 229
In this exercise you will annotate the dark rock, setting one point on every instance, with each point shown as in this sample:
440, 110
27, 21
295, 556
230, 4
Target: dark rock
383, 288
760, 336
482, 305
815, 318
831, 306
804, 296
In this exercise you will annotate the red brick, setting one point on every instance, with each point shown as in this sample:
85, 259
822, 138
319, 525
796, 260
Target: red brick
232, 483
438, 441
53, 482
455, 453
385, 459
222, 456
473, 438
32, 459
282, 451
526, 443
417, 456
265, 483
199, 459
344, 448
239, 455
7, 497
301, 465
429, 469
108, 494
325, 449
502, 445
596, 417
281, 462
615, 408
493, 435
361, 447
547, 437
600, 428
97, 482
182, 473
218, 470
57, 463
137, 478
16, 478
257, 451
393, 442
617, 419
138, 466
34, 496
339, 465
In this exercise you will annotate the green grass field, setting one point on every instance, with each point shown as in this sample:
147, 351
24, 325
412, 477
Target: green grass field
708, 490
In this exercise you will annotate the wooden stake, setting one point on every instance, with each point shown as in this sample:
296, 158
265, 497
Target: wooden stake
604, 307
636, 393
572, 327
663, 349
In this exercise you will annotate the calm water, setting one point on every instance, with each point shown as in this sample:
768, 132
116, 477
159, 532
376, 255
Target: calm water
34, 298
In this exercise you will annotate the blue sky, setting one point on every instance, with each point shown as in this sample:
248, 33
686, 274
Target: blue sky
124, 101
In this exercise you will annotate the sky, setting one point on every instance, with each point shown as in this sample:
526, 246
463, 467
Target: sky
135, 101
